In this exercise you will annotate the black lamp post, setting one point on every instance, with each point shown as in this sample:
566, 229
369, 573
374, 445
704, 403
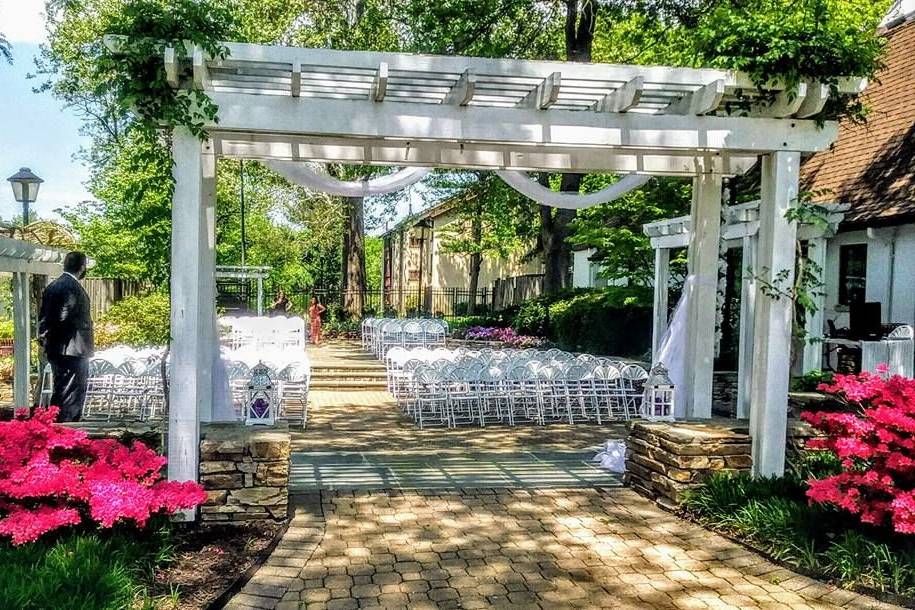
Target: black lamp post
25, 190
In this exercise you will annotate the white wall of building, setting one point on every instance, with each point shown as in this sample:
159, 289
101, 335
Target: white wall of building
890, 272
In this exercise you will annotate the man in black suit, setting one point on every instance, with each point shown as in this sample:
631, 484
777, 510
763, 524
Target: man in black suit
65, 331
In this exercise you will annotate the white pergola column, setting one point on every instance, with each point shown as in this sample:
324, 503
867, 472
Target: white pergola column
702, 262
813, 342
772, 326
747, 313
21, 340
661, 283
193, 308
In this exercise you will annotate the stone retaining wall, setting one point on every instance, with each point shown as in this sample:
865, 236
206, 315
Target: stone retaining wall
245, 470
664, 459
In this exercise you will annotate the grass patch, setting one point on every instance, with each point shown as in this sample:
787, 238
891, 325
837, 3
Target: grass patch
84, 571
773, 516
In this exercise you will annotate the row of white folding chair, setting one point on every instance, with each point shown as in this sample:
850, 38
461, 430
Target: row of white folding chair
385, 334
507, 359
470, 392
132, 389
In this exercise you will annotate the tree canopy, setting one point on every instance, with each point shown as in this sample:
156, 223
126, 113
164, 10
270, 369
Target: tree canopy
126, 103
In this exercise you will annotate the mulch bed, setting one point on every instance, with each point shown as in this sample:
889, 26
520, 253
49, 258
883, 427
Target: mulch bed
209, 560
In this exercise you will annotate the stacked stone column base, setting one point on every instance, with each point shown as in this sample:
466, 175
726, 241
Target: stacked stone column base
245, 471
664, 459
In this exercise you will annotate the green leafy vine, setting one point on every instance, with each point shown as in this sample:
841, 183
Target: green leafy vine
131, 65
805, 285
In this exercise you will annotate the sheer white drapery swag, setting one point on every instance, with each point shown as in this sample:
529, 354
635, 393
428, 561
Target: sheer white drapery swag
521, 182
672, 349
301, 173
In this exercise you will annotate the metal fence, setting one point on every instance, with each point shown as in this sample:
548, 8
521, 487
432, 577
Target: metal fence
410, 302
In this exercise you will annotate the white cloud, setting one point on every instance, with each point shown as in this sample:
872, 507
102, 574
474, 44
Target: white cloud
23, 20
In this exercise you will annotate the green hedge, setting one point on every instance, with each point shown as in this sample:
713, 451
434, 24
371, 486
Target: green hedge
137, 321
610, 321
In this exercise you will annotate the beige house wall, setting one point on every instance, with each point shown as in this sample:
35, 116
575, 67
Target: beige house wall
452, 270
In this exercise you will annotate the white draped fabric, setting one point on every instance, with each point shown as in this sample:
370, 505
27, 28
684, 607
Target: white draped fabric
299, 172
672, 350
521, 182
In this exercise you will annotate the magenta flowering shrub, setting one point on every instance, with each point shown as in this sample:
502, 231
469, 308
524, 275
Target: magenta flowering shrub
507, 336
876, 445
52, 476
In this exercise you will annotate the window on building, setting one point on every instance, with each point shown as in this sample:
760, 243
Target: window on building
852, 273
414, 275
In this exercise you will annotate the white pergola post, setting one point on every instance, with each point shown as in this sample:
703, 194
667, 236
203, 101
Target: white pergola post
260, 296
702, 262
661, 283
747, 314
193, 311
21, 339
773, 320
813, 342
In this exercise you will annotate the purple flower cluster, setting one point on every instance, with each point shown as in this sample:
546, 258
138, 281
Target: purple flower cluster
507, 336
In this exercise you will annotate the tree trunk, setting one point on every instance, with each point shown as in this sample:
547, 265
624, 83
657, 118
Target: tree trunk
555, 229
354, 258
555, 225
476, 262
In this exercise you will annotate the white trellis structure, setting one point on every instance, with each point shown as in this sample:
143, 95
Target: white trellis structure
297, 104
740, 228
22, 259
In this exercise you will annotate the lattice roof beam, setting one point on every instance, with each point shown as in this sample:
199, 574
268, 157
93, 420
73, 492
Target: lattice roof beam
171, 66
814, 101
380, 83
703, 100
621, 99
201, 72
462, 92
544, 94
786, 103
295, 83
522, 126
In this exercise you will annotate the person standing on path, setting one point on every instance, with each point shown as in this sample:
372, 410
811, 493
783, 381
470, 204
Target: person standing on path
65, 333
314, 314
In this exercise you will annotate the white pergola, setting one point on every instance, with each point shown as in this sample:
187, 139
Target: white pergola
299, 104
246, 272
22, 259
740, 227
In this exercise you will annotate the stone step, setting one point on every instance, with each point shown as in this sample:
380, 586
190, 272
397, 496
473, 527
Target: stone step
346, 384
349, 375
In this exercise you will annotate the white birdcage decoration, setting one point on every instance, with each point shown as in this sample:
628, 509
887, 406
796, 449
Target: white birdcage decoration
658, 403
260, 408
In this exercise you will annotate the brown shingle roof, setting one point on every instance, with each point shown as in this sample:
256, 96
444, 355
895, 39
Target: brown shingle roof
872, 166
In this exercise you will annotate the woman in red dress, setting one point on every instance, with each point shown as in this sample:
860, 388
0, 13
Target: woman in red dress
314, 313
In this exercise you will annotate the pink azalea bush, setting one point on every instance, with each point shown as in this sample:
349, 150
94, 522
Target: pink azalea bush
875, 442
52, 476
507, 336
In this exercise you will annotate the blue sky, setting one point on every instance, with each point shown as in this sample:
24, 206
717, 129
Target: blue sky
35, 130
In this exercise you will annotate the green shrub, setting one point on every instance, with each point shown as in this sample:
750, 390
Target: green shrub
808, 382
459, 324
612, 321
532, 318
136, 321
773, 515
81, 571
6, 329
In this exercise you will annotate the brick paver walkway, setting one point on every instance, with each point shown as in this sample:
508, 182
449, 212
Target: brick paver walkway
481, 547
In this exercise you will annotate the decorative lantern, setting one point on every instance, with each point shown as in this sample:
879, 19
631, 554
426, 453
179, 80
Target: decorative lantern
658, 403
261, 404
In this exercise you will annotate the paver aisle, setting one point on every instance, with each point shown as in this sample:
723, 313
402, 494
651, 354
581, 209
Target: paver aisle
405, 518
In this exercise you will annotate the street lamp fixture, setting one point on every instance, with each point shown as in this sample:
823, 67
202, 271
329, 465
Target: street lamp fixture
25, 190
